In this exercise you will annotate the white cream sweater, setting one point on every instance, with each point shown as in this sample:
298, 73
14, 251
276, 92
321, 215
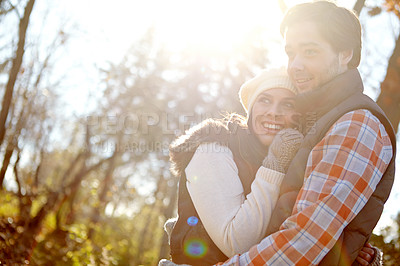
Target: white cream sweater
235, 223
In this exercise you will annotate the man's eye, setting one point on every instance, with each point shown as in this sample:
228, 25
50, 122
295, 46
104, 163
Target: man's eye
310, 52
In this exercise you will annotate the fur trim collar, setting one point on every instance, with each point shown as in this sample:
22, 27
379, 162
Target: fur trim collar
182, 149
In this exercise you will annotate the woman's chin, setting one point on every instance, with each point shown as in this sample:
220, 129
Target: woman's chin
266, 140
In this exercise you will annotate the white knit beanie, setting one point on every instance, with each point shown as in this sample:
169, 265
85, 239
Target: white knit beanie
265, 80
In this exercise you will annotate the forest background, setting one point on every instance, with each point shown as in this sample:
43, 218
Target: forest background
93, 93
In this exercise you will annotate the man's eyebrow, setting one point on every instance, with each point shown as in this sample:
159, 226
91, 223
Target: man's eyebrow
305, 44
309, 44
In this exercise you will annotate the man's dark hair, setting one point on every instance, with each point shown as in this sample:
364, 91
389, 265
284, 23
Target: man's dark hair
338, 25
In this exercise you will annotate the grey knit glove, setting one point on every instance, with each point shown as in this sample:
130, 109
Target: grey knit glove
282, 149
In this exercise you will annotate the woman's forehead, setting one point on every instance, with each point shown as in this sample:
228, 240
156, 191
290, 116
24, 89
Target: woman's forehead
278, 92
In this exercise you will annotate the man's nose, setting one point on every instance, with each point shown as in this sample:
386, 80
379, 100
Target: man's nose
296, 63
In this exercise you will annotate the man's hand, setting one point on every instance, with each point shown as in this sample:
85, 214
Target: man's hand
282, 149
369, 255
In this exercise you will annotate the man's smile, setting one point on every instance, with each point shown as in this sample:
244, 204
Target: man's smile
303, 80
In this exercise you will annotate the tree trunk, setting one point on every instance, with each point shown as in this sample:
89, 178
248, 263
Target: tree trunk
103, 194
6, 163
389, 98
153, 212
71, 189
16, 65
13, 141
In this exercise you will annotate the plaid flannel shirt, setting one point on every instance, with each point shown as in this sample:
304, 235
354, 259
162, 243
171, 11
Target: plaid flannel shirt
342, 172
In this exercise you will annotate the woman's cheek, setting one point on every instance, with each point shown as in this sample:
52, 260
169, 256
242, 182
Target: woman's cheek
293, 120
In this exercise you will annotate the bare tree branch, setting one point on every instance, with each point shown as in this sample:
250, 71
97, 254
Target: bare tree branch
358, 6
11, 7
6, 162
16, 65
12, 142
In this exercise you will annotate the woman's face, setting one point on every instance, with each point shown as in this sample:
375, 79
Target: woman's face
273, 110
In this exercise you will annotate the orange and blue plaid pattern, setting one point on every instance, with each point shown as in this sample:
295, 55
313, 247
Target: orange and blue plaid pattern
342, 172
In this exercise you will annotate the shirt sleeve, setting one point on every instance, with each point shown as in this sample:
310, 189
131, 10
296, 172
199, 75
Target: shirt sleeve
234, 223
342, 172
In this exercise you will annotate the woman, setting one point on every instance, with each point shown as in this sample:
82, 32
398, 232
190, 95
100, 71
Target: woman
229, 182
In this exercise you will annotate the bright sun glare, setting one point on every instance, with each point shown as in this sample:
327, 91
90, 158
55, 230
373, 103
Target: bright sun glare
108, 31
217, 24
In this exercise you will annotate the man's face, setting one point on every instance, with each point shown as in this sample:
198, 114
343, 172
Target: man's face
312, 61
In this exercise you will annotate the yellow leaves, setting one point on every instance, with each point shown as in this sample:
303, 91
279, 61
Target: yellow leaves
393, 6
78, 231
93, 192
123, 243
9, 205
50, 221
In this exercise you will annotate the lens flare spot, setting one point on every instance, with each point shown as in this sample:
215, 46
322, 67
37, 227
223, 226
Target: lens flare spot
192, 220
195, 178
195, 248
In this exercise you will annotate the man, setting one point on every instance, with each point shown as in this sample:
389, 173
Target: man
347, 158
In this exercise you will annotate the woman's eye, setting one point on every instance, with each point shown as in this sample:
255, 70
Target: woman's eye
289, 105
264, 100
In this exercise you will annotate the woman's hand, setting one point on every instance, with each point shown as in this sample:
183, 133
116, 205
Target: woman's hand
282, 149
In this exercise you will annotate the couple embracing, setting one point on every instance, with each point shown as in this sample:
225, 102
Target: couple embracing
302, 179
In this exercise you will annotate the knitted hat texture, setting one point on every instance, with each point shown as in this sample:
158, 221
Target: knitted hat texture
265, 80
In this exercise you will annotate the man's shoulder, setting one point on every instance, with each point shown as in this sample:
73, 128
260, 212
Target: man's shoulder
361, 130
360, 117
360, 123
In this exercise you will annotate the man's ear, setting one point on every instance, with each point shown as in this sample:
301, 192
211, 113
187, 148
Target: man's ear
345, 57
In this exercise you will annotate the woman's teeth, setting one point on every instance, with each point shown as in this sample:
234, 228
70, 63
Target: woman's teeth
272, 126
